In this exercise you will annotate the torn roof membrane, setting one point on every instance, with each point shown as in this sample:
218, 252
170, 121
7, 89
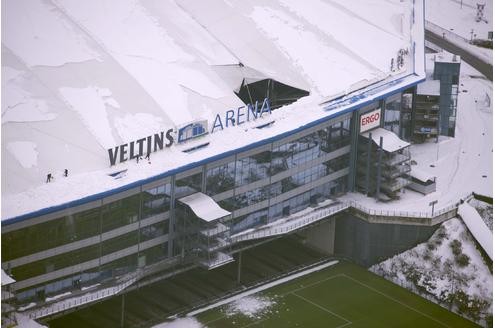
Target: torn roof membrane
94, 73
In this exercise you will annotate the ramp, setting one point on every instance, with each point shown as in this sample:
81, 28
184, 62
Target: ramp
477, 227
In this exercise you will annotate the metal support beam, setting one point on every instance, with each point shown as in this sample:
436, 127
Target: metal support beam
368, 165
122, 311
379, 168
354, 127
239, 264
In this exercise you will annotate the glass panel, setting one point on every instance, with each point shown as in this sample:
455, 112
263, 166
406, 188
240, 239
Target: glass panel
249, 221
220, 178
155, 254
392, 115
156, 200
120, 213
119, 243
252, 168
188, 185
154, 230
50, 234
56, 262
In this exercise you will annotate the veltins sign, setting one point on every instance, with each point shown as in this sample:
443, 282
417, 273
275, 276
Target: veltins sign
369, 120
158, 141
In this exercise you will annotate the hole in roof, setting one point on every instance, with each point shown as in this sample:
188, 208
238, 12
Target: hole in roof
279, 94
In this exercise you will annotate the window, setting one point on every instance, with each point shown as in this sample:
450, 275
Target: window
156, 200
220, 178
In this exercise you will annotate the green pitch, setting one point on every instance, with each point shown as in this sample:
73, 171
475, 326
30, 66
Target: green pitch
344, 295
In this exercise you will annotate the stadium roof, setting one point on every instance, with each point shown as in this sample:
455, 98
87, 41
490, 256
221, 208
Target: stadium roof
82, 77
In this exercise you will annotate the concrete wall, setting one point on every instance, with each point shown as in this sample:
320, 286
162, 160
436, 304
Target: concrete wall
369, 243
321, 237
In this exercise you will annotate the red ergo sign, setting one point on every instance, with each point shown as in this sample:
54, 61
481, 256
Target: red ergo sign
369, 120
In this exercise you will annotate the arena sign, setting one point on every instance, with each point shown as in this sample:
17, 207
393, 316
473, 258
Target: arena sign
241, 115
230, 118
149, 144
369, 120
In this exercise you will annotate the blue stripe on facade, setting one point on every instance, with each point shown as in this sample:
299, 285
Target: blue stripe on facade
138, 183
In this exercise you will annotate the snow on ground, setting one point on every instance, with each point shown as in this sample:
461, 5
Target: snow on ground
187, 322
463, 164
446, 18
251, 306
263, 287
24, 152
460, 20
433, 270
25, 322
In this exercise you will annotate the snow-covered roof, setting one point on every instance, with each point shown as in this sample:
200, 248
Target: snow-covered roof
421, 175
429, 88
204, 207
82, 77
391, 142
447, 57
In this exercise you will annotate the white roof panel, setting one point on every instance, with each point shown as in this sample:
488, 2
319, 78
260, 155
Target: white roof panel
421, 175
429, 88
204, 207
391, 142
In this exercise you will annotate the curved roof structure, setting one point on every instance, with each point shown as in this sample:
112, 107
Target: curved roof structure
82, 77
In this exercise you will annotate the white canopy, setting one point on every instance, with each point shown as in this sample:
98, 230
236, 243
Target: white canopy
204, 207
6, 279
391, 142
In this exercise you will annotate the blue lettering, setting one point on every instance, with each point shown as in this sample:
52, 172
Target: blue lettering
265, 107
239, 115
253, 110
229, 116
217, 123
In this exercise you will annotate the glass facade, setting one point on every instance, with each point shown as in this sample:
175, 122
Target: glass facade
220, 178
252, 168
392, 114
136, 230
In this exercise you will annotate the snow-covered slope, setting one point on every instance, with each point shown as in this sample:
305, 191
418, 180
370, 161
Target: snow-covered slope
447, 269
80, 77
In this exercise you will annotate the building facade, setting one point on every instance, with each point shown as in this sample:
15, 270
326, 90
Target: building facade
345, 130
111, 238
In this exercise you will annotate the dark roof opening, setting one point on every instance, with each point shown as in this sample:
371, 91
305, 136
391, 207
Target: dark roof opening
278, 93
